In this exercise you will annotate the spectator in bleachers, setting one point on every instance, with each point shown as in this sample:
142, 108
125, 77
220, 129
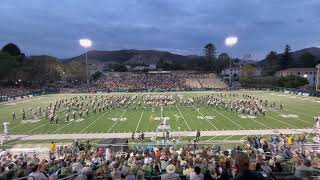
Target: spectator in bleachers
304, 170
207, 163
242, 165
196, 175
170, 173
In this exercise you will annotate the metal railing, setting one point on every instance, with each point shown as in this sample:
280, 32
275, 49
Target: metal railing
26, 178
70, 177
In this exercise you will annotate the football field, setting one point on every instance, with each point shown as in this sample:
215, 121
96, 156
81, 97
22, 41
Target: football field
298, 112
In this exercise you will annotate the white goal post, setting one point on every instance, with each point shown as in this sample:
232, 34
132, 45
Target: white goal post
317, 78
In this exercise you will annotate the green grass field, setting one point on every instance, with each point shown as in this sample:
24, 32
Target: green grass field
298, 113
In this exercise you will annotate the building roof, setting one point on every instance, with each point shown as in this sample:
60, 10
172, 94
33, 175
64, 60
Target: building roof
297, 69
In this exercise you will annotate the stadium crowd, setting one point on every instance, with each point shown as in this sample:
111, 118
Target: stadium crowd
272, 158
13, 91
150, 81
116, 81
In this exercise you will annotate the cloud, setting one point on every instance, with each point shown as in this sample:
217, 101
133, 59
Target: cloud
180, 26
270, 22
315, 44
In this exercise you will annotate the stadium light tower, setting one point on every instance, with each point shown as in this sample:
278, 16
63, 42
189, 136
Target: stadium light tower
230, 42
86, 43
318, 77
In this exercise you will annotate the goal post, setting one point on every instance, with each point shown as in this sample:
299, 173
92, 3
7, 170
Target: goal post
318, 77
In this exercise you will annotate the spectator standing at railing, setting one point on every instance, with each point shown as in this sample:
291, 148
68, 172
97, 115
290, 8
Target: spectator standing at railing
75, 147
52, 150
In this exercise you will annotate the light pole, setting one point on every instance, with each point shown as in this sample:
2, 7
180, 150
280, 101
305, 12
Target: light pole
317, 77
230, 42
86, 43
179, 133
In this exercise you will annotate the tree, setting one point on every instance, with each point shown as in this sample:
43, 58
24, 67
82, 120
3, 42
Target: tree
118, 67
11, 49
272, 63
222, 62
248, 70
210, 51
307, 60
285, 58
292, 81
95, 76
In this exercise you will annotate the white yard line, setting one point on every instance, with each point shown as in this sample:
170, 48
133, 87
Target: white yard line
17, 126
139, 121
229, 119
227, 138
93, 122
211, 138
262, 124
301, 119
116, 121
37, 127
300, 113
282, 121
183, 118
243, 137
62, 127
205, 118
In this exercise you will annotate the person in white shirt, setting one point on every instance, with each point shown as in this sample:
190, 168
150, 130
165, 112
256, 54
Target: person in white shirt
36, 174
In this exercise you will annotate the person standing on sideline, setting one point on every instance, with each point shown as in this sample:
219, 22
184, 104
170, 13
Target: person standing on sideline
198, 136
52, 150
13, 116
23, 114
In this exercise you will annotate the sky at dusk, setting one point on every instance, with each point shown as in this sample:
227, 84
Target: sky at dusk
54, 27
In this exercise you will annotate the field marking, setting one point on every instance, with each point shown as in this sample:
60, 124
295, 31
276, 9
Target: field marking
183, 118
302, 119
300, 113
64, 126
41, 120
229, 119
20, 122
228, 138
92, 122
205, 118
289, 105
211, 138
262, 123
17, 126
139, 121
37, 127
116, 121
243, 137
282, 121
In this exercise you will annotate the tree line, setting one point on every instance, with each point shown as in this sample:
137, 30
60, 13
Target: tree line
275, 61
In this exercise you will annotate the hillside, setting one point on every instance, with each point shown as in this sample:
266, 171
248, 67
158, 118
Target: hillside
312, 50
128, 56
46, 68
51, 68
297, 54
